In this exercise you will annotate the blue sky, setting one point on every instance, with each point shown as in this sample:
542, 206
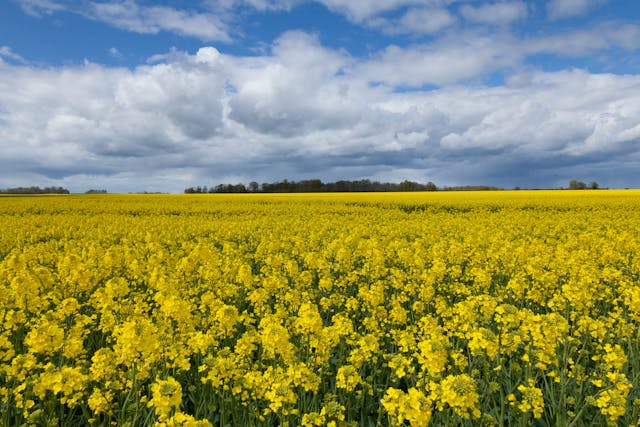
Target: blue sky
140, 95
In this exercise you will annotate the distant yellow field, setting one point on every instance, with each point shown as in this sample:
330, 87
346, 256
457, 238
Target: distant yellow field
468, 308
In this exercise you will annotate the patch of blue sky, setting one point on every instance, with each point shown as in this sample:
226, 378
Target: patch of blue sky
612, 61
334, 31
67, 38
421, 88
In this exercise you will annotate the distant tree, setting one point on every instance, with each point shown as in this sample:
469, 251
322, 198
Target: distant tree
408, 186
471, 188
316, 185
228, 188
92, 191
594, 185
577, 185
430, 186
35, 190
310, 185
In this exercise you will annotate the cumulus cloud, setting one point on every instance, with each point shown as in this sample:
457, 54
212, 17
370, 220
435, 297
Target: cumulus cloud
273, 93
450, 60
304, 110
92, 119
567, 113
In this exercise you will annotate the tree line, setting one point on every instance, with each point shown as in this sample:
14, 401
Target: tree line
362, 185
315, 186
574, 184
35, 190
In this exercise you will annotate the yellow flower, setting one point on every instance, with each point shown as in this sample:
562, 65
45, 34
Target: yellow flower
531, 400
312, 419
180, 419
68, 381
166, 396
614, 356
46, 338
412, 406
459, 392
100, 401
400, 365
348, 378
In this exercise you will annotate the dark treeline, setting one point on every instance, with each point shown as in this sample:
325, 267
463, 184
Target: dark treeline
315, 186
35, 190
471, 188
574, 184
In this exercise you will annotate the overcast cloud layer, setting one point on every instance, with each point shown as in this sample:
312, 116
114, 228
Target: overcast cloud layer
467, 97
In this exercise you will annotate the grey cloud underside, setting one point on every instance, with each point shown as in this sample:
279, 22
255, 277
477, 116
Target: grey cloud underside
305, 111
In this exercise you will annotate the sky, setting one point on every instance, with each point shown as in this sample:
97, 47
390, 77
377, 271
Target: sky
142, 95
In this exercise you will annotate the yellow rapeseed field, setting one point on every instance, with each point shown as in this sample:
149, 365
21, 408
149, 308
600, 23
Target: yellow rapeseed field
491, 308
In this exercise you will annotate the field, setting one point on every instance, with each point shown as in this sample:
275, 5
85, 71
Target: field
489, 308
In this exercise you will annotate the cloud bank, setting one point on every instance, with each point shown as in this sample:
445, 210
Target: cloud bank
458, 96
304, 110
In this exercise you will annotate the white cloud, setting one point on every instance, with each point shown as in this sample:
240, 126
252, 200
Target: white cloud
115, 53
304, 110
561, 9
434, 11
97, 120
625, 36
216, 20
430, 20
584, 42
273, 93
7, 52
500, 13
450, 60
361, 10
471, 56
570, 112
128, 15
207, 55
41, 7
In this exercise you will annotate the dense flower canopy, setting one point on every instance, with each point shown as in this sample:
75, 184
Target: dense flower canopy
497, 308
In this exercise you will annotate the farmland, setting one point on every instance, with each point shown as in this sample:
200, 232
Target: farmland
472, 308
